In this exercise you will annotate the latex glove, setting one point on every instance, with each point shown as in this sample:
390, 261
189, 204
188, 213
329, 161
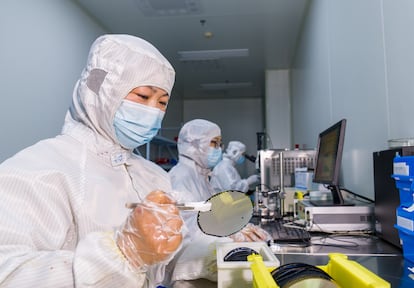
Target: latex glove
251, 233
253, 179
152, 231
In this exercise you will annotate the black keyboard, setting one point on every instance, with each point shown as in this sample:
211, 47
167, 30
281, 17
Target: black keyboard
282, 233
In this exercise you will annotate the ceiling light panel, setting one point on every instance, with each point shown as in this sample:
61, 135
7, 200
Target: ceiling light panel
169, 7
225, 85
199, 55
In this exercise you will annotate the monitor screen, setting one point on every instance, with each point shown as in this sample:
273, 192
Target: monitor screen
328, 162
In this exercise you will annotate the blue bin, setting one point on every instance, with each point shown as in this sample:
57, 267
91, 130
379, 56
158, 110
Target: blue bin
405, 185
407, 241
404, 165
407, 279
405, 219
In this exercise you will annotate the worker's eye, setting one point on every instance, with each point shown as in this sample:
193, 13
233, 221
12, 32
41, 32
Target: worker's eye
216, 144
142, 96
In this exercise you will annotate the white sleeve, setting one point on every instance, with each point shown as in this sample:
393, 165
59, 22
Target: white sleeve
99, 263
231, 179
96, 263
198, 258
36, 225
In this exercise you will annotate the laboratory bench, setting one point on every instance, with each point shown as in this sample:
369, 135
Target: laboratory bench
375, 254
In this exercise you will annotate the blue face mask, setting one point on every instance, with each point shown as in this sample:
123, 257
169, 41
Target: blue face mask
240, 160
214, 156
136, 124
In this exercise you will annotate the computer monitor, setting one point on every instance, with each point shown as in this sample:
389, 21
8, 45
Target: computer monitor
328, 163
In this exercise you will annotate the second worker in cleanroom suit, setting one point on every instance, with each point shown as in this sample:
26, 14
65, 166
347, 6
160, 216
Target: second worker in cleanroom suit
63, 220
199, 148
225, 175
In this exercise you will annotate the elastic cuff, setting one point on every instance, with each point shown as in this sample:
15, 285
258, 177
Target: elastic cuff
136, 269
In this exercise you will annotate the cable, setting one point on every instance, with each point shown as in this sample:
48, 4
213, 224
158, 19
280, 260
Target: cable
358, 196
345, 243
251, 158
258, 185
266, 186
270, 139
239, 254
289, 275
334, 236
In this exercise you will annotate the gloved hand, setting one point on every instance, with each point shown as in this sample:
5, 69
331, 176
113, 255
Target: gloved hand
251, 233
152, 231
253, 179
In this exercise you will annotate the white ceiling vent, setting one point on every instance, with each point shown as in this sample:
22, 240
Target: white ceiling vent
202, 55
169, 7
225, 85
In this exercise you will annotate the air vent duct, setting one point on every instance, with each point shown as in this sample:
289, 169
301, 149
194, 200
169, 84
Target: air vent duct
225, 85
200, 55
169, 7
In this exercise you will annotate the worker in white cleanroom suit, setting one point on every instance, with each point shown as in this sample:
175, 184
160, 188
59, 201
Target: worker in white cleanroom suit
63, 220
225, 175
199, 149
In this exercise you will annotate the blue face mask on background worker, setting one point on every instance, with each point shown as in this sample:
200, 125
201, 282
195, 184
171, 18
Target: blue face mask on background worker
214, 156
240, 160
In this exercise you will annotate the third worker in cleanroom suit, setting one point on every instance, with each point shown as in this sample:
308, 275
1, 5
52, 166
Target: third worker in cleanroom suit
225, 175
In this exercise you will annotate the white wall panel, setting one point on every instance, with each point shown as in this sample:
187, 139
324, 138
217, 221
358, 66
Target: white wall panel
277, 109
355, 61
357, 81
310, 89
399, 45
43, 49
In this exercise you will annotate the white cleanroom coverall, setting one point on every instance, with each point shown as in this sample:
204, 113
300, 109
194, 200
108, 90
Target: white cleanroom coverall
225, 175
190, 183
63, 199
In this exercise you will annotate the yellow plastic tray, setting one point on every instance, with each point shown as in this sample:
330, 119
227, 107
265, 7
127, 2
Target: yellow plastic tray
346, 273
